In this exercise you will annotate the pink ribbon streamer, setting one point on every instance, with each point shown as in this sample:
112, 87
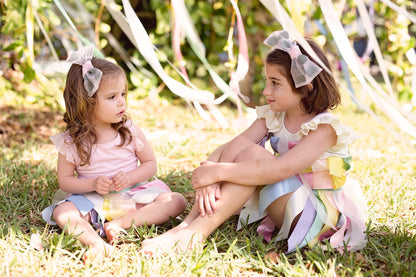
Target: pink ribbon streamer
266, 228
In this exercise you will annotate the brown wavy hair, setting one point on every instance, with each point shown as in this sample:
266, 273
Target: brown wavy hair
324, 95
80, 108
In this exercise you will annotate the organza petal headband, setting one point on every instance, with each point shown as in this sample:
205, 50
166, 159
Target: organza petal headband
302, 69
92, 76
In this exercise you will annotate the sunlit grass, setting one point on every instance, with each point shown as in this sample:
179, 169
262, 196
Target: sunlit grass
383, 164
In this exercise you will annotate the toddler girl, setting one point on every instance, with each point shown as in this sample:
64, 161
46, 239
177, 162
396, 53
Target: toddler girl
98, 160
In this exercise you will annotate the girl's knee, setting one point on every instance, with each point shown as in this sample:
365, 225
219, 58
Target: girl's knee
242, 142
60, 210
65, 211
253, 152
175, 201
179, 202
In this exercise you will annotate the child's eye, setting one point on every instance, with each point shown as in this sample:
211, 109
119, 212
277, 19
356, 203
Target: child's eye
111, 97
124, 94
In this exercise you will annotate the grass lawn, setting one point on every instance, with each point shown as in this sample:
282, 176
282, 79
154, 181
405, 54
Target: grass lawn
384, 165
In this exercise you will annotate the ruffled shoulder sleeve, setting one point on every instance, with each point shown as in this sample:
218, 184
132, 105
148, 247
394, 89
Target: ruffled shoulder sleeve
64, 144
345, 135
273, 119
138, 144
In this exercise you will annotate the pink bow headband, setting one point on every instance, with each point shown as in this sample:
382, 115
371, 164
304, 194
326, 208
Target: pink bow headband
303, 70
92, 76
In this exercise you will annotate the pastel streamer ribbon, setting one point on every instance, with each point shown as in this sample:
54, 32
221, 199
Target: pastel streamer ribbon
350, 202
328, 217
92, 76
266, 228
183, 25
198, 47
83, 204
132, 27
242, 63
350, 57
273, 191
302, 227
72, 25
250, 213
294, 206
316, 227
303, 70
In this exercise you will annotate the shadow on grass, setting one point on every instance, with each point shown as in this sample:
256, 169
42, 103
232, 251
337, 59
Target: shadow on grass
18, 126
28, 187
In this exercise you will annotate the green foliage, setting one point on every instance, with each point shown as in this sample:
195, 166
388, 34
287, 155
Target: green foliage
13, 54
17, 63
212, 19
396, 36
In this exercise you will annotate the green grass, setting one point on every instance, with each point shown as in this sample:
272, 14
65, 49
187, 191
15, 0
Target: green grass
384, 165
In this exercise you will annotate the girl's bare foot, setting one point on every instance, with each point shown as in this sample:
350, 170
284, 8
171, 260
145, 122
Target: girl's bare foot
98, 252
112, 231
181, 240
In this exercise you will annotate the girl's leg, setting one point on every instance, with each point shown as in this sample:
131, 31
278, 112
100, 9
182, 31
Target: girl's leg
68, 218
276, 210
165, 206
196, 228
236, 148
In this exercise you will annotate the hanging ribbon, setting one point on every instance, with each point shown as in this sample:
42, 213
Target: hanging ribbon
177, 32
84, 40
198, 47
242, 64
132, 27
176, 44
400, 10
337, 30
372, 41
341, 39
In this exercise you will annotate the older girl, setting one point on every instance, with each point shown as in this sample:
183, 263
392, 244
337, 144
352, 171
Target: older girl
302, 187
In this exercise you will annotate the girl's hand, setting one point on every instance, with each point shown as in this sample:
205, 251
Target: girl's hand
204, 175
103, 184
206, 197
121, 181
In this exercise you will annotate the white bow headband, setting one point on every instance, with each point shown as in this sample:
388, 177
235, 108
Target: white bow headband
92, 76
303, 70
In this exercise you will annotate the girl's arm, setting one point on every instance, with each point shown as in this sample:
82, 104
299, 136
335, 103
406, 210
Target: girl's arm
71, 184
146, 169
207, 196
255, 132
268, 171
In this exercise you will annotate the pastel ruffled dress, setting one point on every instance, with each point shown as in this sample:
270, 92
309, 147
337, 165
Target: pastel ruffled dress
332, 205
106, 160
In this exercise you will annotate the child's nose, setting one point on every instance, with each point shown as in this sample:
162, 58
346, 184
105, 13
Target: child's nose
266, 91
